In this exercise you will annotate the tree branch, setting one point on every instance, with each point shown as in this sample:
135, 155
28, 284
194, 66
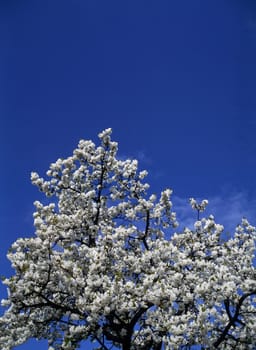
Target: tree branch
232, 319
146, 230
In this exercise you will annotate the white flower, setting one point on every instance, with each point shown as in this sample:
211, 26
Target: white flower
104, 261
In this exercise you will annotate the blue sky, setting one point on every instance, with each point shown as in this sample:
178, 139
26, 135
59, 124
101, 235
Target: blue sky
176, 80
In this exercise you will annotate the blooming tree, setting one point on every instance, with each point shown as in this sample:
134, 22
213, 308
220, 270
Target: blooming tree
105, 264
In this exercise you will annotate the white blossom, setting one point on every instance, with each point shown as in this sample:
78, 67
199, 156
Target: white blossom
105, 263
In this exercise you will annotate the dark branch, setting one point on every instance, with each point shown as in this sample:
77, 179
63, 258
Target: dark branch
232, 319
146, 230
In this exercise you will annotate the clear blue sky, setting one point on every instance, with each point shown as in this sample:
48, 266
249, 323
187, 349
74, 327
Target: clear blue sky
176, 80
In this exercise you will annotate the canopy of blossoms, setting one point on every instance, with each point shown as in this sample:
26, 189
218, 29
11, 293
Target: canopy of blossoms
108, 263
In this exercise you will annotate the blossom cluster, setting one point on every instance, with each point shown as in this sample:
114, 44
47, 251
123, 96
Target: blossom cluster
108, 263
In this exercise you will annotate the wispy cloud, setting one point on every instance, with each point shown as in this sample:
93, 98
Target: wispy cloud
231, 208
227, 208
144, 158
